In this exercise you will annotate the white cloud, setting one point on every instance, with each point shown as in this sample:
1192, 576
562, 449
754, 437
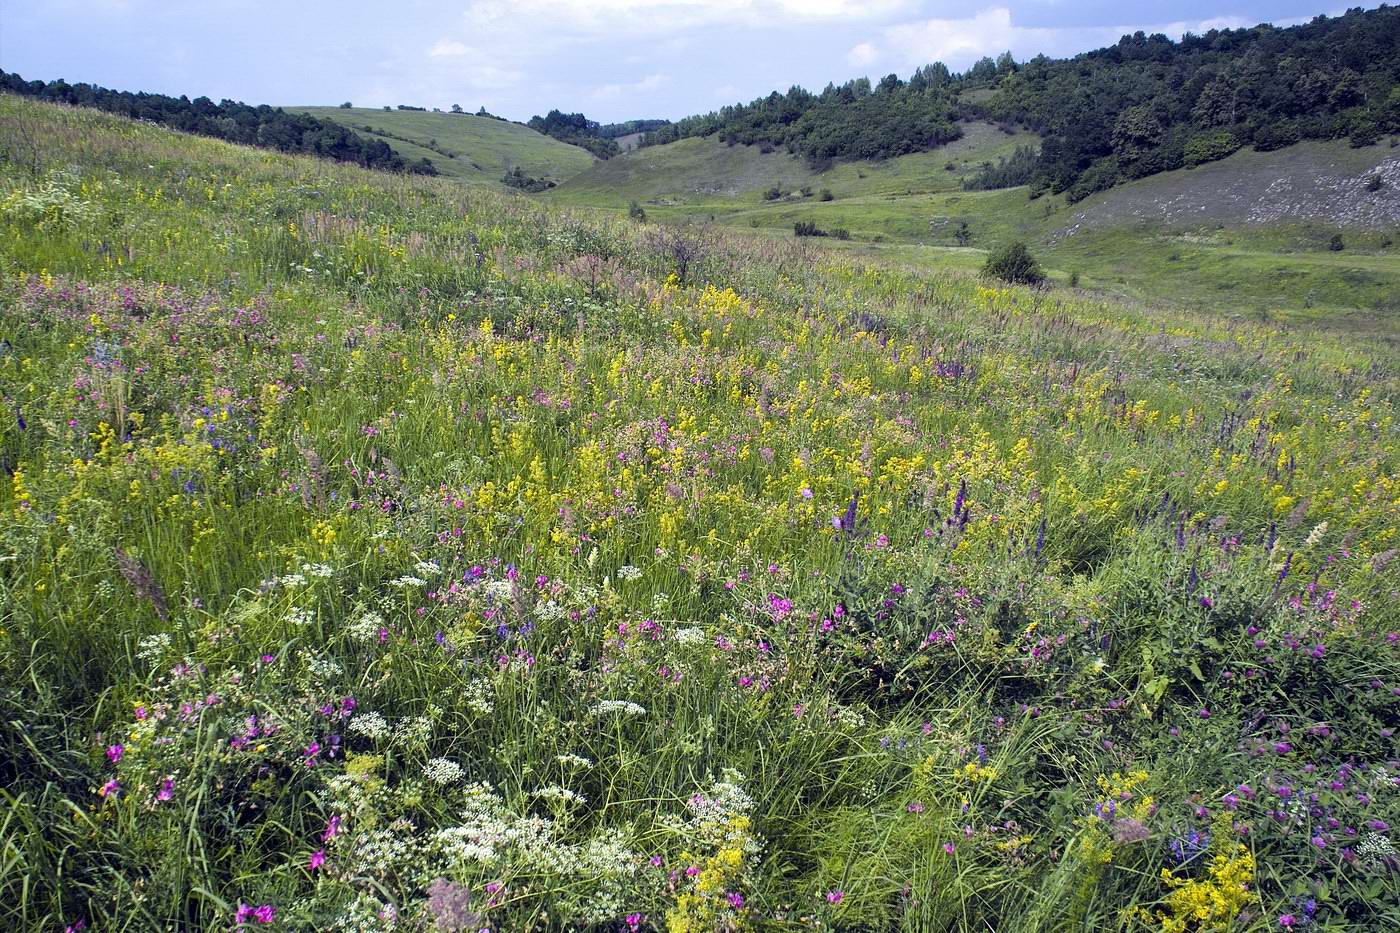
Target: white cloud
960, 42
448, 48
649, 83
862, 55
672, 16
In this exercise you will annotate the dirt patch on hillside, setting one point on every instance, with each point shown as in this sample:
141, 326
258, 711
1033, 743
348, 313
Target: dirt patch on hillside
1324, 183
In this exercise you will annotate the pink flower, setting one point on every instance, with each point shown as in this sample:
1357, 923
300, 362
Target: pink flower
634, 922
167, 790
114, 753
110, 789
835, 897
318, 858
949, 847
735, 899
264, 913
332, 828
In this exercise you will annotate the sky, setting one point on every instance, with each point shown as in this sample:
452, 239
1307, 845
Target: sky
610, 59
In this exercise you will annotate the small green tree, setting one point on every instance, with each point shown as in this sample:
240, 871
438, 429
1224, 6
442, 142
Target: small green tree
963, 235
1015, 264
636, 212
1336, 244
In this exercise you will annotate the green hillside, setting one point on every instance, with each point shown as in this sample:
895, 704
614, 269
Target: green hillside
1249, 234
386, 553
704, 174
462, 146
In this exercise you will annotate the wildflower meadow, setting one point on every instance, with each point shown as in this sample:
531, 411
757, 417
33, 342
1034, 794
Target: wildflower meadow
381, 553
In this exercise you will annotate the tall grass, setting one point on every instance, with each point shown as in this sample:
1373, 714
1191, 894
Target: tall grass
384, 554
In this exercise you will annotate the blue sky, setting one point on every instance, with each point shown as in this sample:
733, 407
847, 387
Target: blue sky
611, 59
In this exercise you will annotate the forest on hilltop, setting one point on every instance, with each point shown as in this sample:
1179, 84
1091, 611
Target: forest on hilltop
1145, 105
229, 120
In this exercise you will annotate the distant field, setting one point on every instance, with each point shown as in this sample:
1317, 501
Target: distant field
1247, 235
708, 175
467, 147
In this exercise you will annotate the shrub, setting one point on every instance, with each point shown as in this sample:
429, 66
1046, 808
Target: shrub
1014, 263
1336, 244
1209, 147
636, 212
773, 193
807, 228
826, 195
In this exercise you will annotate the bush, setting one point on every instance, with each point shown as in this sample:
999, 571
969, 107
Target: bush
1336, 244
636, 212
1101, 176
1015, 264
826, 195
1276, 136
841, 233
1209, 147
807, 228
1375, 183
773, 193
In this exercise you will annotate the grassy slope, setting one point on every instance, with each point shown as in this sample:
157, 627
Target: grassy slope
284, 388
1176, 238
482, 148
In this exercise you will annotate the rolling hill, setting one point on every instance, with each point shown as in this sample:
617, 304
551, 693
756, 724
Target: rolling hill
462, 146
1252, 232
382, 552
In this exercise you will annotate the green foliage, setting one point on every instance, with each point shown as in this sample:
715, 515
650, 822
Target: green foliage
1209, 147
1137, 100
381, 552
853, 121
1008, 171
1014, 263
517, 179
269, 127
636, 211
469, 147
577, 130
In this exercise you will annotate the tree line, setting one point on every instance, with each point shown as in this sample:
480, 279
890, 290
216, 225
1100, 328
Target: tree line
1145, 105
234, 121
598, 138
1149, 104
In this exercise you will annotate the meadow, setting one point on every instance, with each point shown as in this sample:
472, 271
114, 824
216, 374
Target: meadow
386, 553
1190, 237
462, 146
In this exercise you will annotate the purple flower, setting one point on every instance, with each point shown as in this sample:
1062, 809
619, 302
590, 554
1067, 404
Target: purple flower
115, 753
835, 897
